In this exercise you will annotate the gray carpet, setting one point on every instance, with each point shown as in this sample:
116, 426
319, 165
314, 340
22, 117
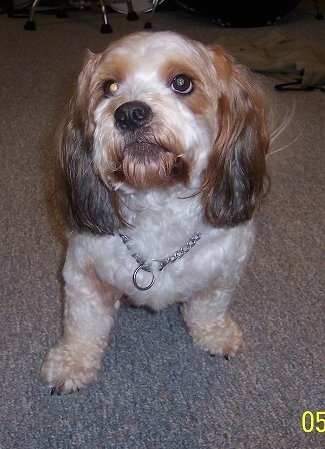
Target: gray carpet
157, 391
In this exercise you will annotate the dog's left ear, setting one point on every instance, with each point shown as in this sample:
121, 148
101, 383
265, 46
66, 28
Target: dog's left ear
235, 179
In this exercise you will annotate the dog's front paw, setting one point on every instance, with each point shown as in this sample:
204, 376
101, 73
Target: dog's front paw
224, 337
68, 368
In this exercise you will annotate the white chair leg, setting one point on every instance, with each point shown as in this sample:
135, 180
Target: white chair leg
148, 25
30, 24
105, 27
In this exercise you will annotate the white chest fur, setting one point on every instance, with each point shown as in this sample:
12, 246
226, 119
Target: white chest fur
159, 230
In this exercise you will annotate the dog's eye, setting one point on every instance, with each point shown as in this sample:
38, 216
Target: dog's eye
110, 87
182, 84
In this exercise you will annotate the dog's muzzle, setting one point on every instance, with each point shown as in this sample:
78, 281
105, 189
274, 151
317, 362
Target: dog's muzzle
144, 161
132, 115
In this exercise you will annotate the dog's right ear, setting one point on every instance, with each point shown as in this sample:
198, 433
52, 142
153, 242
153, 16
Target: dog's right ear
89, 205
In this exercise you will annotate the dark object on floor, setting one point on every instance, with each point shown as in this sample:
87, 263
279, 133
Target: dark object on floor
246, 13
297, 86
319, 15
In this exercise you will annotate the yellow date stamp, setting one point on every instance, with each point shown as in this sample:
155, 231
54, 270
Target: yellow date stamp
313, 421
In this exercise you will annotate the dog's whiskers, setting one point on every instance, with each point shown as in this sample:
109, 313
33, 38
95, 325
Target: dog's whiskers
284, 147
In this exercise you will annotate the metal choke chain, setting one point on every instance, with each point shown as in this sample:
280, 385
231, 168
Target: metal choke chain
147, 266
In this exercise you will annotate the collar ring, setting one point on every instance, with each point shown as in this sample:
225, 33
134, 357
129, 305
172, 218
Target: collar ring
135, 274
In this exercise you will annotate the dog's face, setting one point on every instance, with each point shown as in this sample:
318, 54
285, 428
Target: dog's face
151, 116
157, 109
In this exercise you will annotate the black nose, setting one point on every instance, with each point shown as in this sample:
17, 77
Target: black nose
132, 115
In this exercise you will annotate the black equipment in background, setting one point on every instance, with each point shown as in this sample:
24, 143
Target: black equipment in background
241, 13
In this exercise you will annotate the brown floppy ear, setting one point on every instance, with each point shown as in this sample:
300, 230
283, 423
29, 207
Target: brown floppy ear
88, 204
235, 179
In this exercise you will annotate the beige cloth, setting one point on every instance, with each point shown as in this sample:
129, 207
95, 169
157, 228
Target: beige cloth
278, 55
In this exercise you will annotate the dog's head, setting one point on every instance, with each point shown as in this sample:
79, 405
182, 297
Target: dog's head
159, 109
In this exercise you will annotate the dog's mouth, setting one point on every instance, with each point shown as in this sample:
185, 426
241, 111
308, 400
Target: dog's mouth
146, 164
144, 152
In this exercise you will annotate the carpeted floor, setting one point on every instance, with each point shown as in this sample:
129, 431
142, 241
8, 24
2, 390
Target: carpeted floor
157, 391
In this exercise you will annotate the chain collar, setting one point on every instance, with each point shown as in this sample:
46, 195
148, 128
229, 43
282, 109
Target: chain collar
147, 265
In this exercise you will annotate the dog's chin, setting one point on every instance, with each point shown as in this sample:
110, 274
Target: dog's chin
146, 164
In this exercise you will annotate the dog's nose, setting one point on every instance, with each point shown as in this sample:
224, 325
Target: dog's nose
132, 115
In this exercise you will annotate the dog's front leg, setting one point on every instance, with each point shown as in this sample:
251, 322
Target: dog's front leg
90, 308
211, 326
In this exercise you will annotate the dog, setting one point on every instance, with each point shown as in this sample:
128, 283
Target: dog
162, 162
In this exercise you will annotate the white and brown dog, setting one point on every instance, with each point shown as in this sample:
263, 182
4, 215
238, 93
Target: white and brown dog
162, 154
